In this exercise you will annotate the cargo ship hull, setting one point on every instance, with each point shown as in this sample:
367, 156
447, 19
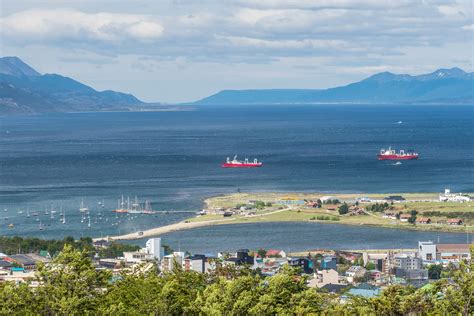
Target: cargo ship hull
241, 165
397, 157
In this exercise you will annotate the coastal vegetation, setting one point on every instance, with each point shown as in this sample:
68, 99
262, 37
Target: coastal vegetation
16, 244
71, 285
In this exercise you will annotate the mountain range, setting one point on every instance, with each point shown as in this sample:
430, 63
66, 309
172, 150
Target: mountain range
443, 86
24, 90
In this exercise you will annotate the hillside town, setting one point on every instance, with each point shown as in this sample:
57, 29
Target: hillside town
341, 272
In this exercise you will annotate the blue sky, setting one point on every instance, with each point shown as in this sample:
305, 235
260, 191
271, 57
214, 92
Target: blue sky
183, 50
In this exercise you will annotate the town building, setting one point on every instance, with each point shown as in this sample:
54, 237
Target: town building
355, 272
153, 247
405, 217
275, 253
324, 277
427, 251
241, 257
454, 221
305, 264
176, 259
423, 220
408, 262
452, 252
453, 197
328, 262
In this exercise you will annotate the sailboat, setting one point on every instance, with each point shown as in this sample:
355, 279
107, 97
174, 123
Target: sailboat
27, 212
63, 221
40, 226
83, 208
89, 224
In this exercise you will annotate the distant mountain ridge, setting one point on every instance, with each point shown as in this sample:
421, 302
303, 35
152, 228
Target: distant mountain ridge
24, 90
446, 86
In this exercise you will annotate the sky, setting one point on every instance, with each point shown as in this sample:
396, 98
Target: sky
184, 50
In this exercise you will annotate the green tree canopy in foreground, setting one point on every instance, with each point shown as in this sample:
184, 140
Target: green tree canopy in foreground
72, 286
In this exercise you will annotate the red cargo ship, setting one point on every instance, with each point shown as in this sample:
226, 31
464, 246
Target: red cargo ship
391, 154
241, 164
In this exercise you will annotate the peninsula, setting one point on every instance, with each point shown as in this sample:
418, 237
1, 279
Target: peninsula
416, 211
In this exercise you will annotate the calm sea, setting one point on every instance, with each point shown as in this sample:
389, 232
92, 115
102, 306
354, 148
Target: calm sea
173, 159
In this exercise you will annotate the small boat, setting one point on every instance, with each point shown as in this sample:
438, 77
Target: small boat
234, 163
11, 225
399, 122
398, 163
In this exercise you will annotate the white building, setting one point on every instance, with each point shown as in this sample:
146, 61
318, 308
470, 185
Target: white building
453, 197
136, 256
153, 247
427, 250
169, 261
323, 277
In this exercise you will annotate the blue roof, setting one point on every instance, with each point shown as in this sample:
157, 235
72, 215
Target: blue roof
364, 292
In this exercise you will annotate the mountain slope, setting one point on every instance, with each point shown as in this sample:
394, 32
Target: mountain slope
448, 86
24, 90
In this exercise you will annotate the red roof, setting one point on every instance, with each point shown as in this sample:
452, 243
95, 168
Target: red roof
423, 220
273, 252
454, 220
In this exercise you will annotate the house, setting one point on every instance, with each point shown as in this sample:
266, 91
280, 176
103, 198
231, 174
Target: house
454, 221
365, 290
241, 257
408, 262
329, 262
355, 210
102, 243
305, 264
324, 277
418, 276
275, 253
331, 208
334, 288
390, 215
355, 272
405, 217
423, 220
136, 256
23, 261
395, 198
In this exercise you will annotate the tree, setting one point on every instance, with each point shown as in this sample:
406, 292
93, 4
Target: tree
71, 284
434, 271
262, 253
412, 219
343, 209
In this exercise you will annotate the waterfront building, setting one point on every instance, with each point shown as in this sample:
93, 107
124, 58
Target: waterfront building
153, 246
427, 251
453, 197
452, 252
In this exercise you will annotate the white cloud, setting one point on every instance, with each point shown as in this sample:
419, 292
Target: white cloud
71, 25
